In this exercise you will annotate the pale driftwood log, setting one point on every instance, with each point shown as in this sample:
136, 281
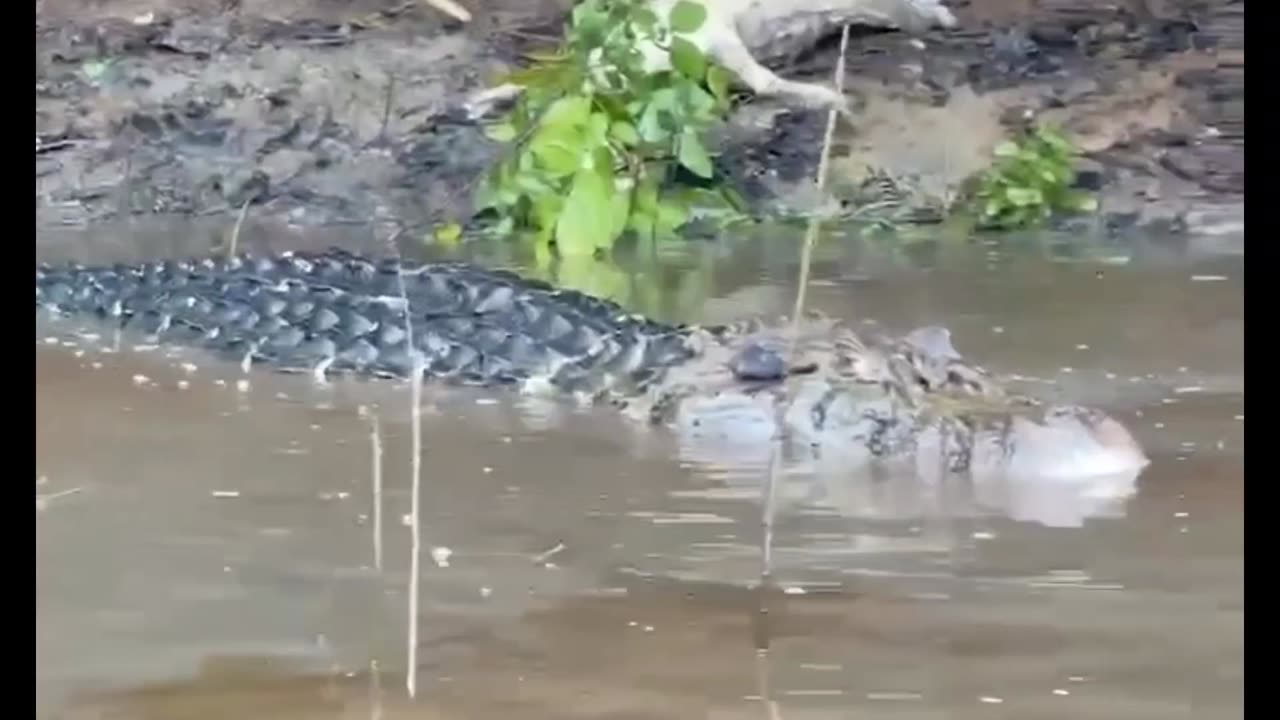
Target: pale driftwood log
742, 35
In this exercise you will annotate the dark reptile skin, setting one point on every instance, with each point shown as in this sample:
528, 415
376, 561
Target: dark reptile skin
341, 312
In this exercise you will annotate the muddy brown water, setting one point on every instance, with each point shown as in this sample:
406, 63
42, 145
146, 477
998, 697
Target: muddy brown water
207, 550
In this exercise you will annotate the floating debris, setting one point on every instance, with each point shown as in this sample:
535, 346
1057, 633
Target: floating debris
141, 380
895, 696
990, 699
682, 518
542, 557
225, 493
440, 555
42, 501
1208, 278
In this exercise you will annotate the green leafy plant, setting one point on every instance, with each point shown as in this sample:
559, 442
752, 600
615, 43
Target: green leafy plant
596, 139
1031, 180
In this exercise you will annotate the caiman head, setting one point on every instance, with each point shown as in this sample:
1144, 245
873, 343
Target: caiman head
912, 398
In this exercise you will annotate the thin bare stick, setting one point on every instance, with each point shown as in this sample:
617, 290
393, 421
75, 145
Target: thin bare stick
375, 442
764, 688
375, 690
235, 232
824, 160
775, 464
415, 422
415, 560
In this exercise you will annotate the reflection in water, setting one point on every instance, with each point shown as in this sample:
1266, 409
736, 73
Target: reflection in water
820, 481
599, 569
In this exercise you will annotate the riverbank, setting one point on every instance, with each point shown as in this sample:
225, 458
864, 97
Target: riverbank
312, 114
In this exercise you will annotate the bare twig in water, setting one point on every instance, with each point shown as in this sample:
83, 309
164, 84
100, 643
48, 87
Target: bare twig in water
375, 449
375, 690
811, 231
771, 482
234, 242
764, 688
43, 499
415, 421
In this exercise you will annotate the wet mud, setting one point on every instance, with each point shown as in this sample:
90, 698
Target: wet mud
314, 114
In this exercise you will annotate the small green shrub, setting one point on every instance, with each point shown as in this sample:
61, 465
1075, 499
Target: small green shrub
595, 140
1031, 180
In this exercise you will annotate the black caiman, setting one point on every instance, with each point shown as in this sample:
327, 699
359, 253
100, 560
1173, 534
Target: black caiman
911, 401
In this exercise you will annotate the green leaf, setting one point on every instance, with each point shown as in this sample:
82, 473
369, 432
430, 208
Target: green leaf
641, 223
586, 216
567, 112
644, 18
598, 129
718, 83
698, 103
650, 127
671, 215
620, 210
533, 184
688, 59
693, 156
1055, 140
1024, 196
687, 16
501, 132
558, 150
448, 234
993, 207
625, 133
1084, 203
545, 210
1006, 149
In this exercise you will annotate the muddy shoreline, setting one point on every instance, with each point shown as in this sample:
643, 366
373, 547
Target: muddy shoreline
318, 114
